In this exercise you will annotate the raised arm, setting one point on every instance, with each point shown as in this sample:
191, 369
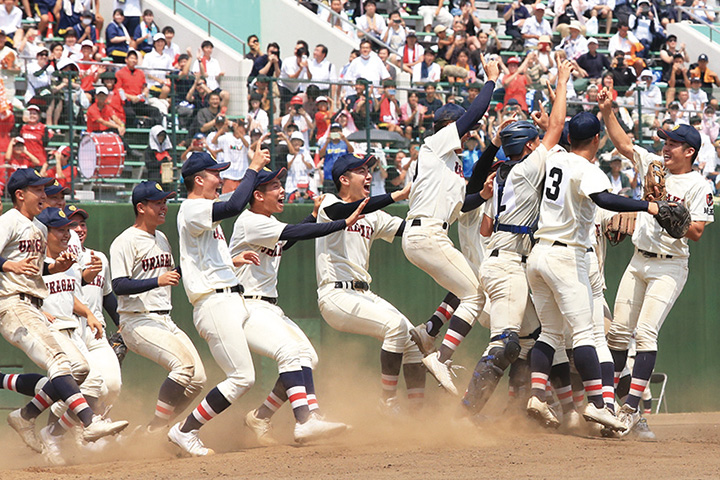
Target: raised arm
241, 196
619, 138
482, 101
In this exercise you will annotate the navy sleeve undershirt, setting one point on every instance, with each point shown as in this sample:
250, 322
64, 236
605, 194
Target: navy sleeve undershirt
618, 203
237, 201
309, 219
306, 231
472, 201
481, 170
131, 286
110, 305
341, 210
477, 109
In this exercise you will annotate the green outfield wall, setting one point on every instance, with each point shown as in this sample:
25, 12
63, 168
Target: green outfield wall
688, 341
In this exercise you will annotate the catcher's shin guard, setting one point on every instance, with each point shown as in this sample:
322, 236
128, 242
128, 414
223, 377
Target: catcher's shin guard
486, 376
512, 345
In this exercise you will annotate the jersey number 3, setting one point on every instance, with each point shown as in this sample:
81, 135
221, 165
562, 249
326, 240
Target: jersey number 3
553, 190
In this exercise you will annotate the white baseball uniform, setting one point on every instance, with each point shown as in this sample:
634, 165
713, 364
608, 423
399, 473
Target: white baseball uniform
557, 265
658, 270
342, 259
436, 198
503, 275
101, 354
269, 332
208, 278
21, 322
63, 288
145, 321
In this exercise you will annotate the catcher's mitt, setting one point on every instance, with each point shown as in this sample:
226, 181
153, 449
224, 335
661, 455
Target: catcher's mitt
620, 226
118, 346
654, 186
673, 218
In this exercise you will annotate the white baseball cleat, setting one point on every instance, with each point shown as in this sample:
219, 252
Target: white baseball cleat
101, 428
573, 423
261, 427
629, 417
51, 446
542, 412
314, 429
642, 431
441, 372
422, 339
603, 416
26, 430
389, 407
189, 442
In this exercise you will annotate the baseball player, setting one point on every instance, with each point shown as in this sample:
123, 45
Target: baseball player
658, 270
512, 215
344, 297
268, 331
212, 287
143, 273
98, 294
22, 290
68, 317
436, 199
558, 270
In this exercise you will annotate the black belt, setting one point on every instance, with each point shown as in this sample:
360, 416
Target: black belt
561, 244
353, 285
270, 300
417, 222
236, 289
37, 302
160, 312
496, 252
589, 250
653, 255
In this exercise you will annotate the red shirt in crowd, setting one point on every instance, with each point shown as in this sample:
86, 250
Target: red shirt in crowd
36, 138
66, 181
94, 114
88, 75
517, 89
132, 83
116, 102
322, 121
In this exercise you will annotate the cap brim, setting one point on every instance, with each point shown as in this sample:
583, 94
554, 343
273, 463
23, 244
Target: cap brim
667, 134
219, 167
277, 174
41, 181
80, 212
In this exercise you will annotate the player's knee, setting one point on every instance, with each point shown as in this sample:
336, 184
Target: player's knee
182, 373
59, 366
412, 354
645, 340
397, 333
236, 384
618, 338
309, 357
288, 358
80, 371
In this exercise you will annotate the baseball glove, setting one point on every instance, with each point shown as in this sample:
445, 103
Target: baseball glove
118, 346
654, 187
620, 226
673, 218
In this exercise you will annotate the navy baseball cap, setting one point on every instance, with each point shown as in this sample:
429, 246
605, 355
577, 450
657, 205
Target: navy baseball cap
26, 177
71, 210
266, 176
449, 111
149, 191
584, 125
682, 133
53, 217
200, 161
350, 161
55, 188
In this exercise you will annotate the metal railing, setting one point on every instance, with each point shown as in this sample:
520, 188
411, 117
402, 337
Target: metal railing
210, 24
358, 32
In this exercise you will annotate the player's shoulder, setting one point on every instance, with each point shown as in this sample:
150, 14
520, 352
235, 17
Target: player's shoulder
329, 199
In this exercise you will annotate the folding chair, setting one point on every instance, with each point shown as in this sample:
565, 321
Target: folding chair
662, 379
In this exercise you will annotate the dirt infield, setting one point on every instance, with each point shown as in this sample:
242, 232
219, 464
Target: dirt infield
687, 447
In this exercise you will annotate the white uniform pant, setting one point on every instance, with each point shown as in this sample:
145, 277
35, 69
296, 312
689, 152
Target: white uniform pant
157, 338
271, 334
504, 279
102, 357
218, 318
429, 248
428, 15
364, 313
597, 284
647, 292
74, 346
24, 326
560, 284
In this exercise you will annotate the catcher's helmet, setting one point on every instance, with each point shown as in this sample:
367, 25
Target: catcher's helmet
516, 135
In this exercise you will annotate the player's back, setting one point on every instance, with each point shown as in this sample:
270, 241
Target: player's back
519, 203
438, 185
566, 211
